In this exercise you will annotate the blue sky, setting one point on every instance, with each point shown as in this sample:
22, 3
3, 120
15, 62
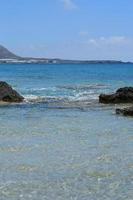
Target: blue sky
73, 29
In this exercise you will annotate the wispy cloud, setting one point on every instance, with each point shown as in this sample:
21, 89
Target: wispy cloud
69, 4
112, 40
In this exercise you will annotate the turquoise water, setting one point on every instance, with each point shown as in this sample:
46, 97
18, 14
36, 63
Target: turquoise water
61, 143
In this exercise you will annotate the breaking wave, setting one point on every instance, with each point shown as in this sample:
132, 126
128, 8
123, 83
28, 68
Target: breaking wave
61, 101
66, 96
83, 87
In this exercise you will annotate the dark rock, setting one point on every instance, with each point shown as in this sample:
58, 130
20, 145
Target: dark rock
125, 111
8, 94
122, 95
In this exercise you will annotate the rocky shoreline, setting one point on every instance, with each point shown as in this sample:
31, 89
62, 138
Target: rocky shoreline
122, 95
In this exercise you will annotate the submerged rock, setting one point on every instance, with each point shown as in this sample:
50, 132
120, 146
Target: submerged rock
8, 94
122, 95
125, 111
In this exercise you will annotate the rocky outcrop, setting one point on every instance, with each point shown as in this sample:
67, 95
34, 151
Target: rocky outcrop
8, 94
125, 111
122, 95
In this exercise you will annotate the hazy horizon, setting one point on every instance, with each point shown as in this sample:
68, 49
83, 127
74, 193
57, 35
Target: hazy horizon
68, 29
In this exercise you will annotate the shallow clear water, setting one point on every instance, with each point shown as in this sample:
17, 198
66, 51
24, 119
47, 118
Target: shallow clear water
60, 143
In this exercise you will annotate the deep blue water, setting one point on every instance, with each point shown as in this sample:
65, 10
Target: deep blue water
61, 143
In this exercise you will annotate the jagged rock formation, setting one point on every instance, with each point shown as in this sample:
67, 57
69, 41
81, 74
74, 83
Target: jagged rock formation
122, 95
8, 94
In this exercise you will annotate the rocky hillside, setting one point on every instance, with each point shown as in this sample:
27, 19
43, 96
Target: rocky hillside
6, 54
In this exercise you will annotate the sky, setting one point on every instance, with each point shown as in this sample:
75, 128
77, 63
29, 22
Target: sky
68, 29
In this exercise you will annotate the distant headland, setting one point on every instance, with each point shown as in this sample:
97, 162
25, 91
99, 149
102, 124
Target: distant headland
7, 56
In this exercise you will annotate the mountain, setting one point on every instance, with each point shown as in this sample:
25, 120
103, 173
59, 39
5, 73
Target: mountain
6, 54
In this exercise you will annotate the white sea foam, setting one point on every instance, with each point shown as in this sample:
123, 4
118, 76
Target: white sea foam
76, 95
44, 89
64, 102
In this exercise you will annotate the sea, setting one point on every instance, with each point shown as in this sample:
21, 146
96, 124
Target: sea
61, 143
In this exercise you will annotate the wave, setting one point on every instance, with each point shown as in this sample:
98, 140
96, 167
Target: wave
42, 99
44, 89
71, 101
66, 96
83, 87
74, 87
